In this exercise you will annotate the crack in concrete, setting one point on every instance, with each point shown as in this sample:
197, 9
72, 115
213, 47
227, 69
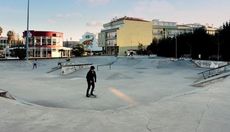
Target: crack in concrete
203, 114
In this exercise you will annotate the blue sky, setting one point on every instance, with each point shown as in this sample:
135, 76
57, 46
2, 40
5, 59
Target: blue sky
75, 17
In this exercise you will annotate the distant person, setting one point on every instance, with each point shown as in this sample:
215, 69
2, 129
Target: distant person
91, 79
35, 64
131, 53
125, 53
59, 64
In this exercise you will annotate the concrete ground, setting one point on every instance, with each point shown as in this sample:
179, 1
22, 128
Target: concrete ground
138, 94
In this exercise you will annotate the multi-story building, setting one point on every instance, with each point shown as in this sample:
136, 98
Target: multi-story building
163, 29
3, 45
46, 44
123, 34
182, 29
70, 44
3, 40
127, 33
211, 30
188, 28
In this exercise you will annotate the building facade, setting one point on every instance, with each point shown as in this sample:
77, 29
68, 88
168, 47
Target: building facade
3, 45
46, 44
90, 43
70, 44
166, 29
163, 29
123, 34
126, 33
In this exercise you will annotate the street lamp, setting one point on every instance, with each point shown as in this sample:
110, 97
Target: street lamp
27, 31
176, 46
218, 46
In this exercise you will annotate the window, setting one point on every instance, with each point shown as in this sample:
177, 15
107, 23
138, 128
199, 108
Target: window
49, 41
37, 41
87, 36
54, 41
43, 41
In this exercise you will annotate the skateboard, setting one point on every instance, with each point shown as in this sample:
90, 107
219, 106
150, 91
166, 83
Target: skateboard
92, 96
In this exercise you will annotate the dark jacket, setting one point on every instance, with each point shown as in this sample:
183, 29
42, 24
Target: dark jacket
91, 76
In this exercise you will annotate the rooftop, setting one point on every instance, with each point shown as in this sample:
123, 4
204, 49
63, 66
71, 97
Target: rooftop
128, 18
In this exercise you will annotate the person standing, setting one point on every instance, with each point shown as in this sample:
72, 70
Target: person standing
91, 80
35, 64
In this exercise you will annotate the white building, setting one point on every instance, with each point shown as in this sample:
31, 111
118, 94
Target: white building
3, 45
163, 29
166, 29
90, 42
46, 44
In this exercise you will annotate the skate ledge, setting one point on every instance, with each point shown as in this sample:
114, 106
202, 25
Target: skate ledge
5, 94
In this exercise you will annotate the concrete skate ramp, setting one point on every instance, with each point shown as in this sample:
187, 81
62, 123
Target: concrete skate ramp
96, 60
143, 62
150, 101
136, 78
127, 61
176, 64
118, 75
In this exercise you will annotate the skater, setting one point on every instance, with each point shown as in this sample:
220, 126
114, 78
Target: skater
91, 80
35, 64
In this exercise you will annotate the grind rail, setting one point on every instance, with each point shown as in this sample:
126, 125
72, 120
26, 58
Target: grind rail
215, 71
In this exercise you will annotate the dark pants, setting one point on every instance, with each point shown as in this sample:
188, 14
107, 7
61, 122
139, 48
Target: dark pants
89, 85
34, 65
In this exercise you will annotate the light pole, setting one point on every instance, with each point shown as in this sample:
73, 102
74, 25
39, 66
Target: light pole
176, 46
218, 46
27, 31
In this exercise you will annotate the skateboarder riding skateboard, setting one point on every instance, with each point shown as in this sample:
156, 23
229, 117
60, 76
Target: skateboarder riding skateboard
91, 80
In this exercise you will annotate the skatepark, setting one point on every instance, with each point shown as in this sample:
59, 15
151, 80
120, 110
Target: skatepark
134, 94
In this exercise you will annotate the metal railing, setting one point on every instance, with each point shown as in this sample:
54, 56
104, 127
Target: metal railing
215, 71
108, 64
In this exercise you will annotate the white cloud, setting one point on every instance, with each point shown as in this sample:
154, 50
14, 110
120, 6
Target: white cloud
97, 2
51, 21
93, 27
68, 15
94, 24
151, 9
168, 11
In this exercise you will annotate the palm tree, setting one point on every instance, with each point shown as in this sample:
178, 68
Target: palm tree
11, 36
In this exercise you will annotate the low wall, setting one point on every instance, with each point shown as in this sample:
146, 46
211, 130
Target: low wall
209, 64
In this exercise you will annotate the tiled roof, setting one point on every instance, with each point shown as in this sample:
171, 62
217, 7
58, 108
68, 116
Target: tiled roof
128, 18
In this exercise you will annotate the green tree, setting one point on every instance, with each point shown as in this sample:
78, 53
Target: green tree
20, 53
78, 50
140, 49
166, 47
193, 44
152, 48
11, 37
224, 41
